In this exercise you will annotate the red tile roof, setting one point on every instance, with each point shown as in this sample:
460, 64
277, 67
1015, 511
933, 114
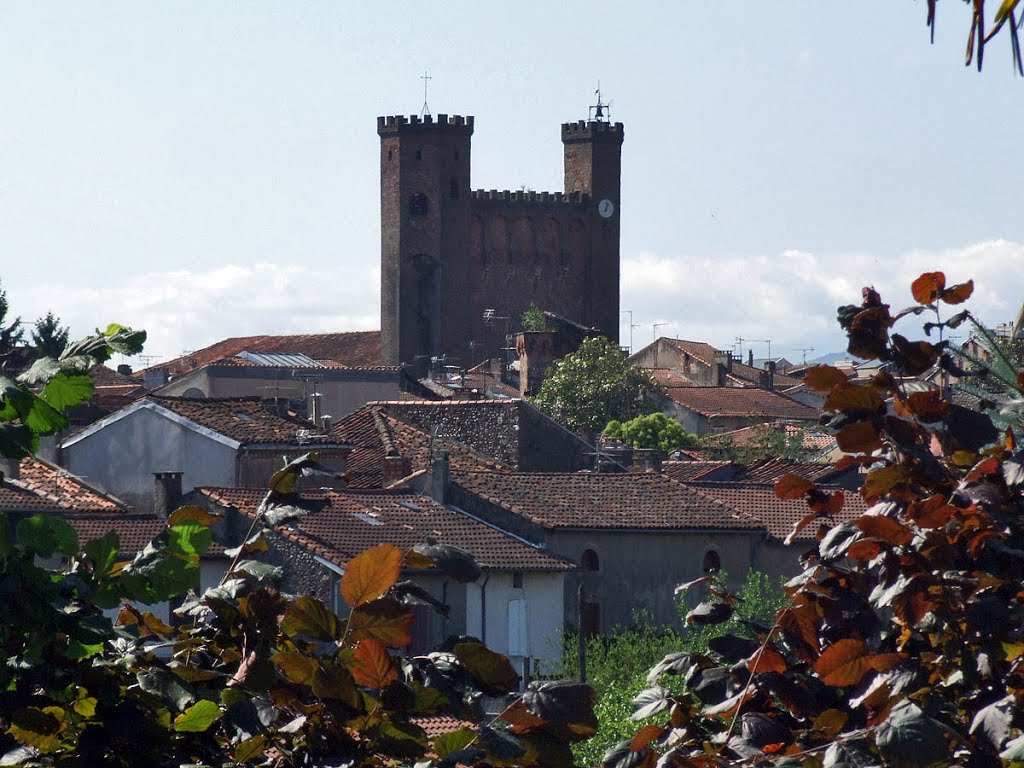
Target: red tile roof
602, 500
241, 418
134, 531
814, 440
64, 489
770, 470
686, 471
113, 390
374, 434
344, 523
436, 725
741, 373
353, 348
759, 500
740, 401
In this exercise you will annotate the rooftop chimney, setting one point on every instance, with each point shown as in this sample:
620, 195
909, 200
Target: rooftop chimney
124, 369
166, 493
395, 468
439, 476
325, 424
651, 458
10, 467
750, 358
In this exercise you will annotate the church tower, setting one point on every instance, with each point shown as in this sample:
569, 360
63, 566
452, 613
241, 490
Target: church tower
425, 204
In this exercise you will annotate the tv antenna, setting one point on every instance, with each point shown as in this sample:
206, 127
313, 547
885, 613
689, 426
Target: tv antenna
600, 112
425, 77
803, 351
740, 340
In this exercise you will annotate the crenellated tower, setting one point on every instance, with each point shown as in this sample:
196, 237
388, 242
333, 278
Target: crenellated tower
424, 201
451, 256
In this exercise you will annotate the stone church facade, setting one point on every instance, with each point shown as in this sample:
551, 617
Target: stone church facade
451, 254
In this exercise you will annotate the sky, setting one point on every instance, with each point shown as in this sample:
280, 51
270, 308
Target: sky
205, 170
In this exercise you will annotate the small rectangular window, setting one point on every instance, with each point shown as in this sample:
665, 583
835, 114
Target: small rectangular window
419, 155
517, 580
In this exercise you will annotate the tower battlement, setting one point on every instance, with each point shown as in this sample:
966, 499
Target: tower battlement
585, 130
529, 196
396, 123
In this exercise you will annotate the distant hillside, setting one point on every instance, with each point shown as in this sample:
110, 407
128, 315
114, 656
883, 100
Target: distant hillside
831, 357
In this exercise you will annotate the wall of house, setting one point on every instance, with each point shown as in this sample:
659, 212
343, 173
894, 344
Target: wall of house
700, 424
638, 571
122, 457
780, 562
256, 465
547, 446
341, 391
545, 618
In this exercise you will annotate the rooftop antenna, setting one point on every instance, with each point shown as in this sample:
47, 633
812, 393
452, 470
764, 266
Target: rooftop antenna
740, 340
425, 77
600, 112
804, 351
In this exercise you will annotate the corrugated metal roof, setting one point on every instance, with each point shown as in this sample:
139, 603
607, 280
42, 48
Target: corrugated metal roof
280, 359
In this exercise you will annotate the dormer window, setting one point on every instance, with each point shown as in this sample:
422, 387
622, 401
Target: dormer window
418, 205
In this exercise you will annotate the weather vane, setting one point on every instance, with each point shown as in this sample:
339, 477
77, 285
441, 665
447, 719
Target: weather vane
600, 112
425, 77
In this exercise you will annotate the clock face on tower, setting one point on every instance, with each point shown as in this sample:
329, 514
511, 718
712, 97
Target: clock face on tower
606, 208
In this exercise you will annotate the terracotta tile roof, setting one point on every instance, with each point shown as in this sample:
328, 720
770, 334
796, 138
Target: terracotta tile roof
113, 390
436, 725
344, 523
134, 531
741, 373
770, 470
353, 348
669, 378
374, 434
612, 500
814, 440
14, 498
64, 489
759, 500
241, 418
740, 401
686, 471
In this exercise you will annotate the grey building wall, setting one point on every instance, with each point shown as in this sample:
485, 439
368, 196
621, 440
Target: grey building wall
121, 457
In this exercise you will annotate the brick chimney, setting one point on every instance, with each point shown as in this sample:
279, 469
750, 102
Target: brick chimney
768, 375
166, 493
650, 457
722, 368
395, 468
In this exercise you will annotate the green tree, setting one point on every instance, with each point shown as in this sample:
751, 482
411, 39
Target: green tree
593, 385
652, 430
49, 337
12, 333
533, 319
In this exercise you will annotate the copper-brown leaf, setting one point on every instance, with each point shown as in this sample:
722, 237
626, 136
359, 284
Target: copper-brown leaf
925, 406
385, 620
853, 397
881, 480
927, 287
802, 523
769, 660
859, 437
371, 574
823, 377
645, 736
884, 528
791, 486
958, 293
844, 663
933, 512
373, 667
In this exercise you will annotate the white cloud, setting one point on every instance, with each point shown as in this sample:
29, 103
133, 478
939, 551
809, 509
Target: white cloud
791, 297
183, 310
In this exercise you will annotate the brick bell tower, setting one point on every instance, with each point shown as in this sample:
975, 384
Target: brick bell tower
425, 209
593, 164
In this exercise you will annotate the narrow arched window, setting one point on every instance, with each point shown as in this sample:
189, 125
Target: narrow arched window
418, 205
590, 560
712, 562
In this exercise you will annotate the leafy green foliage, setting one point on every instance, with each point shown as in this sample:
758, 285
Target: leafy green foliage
654, 430
12, 333
771, 441
593, 385
533, 319
902, 641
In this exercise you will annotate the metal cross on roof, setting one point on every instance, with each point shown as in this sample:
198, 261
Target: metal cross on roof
425, 77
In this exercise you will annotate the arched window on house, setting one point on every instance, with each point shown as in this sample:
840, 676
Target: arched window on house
590, 560
419, 205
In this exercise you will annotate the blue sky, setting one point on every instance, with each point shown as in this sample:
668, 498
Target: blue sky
211, 169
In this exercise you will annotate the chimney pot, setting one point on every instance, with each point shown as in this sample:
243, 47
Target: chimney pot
439, 475
124, 369
10, 467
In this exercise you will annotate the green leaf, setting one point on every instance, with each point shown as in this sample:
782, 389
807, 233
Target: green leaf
188, 538
43, 369
167, 686
492, 670
308, 616
65, 391
103, 551
911, 738
453, 741
251, 748
44, 535
198, 717
259, 571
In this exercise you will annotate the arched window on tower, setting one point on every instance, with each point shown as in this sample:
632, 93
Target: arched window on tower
419, 205
712, 562
454, 188
590, 561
